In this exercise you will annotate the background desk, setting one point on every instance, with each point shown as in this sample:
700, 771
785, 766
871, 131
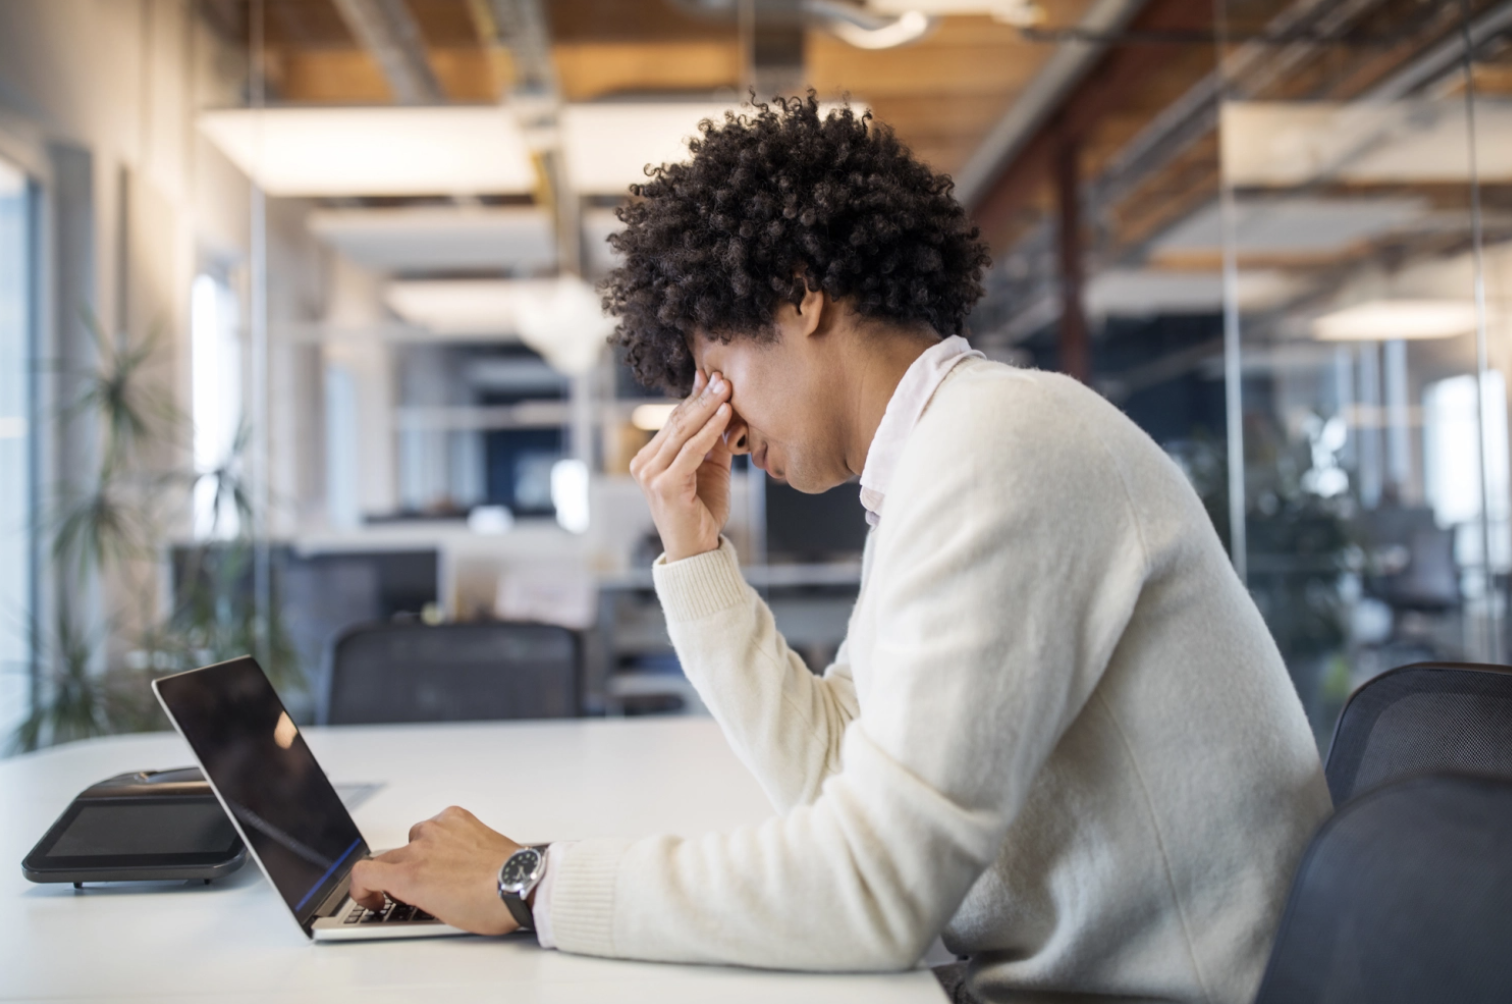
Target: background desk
234, 941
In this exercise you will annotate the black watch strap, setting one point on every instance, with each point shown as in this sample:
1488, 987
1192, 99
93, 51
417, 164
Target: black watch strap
521, 911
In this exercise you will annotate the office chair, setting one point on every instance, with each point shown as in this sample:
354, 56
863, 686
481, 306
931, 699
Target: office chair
489, 671
1429, 581
1423, 717
1402, 898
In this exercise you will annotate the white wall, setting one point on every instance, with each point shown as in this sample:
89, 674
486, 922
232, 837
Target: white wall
116, 85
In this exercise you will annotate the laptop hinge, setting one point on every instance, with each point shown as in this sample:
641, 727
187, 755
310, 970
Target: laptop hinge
334, 899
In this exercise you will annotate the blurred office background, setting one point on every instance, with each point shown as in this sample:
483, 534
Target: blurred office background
300, 355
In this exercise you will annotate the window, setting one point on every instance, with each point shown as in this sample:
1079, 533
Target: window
17, 453
1453, 471
216, 360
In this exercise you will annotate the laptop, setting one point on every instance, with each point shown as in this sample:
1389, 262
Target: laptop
281, 802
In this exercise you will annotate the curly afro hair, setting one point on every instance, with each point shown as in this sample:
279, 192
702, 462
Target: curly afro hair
773, 204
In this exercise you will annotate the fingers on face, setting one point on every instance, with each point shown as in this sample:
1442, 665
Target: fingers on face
697, 446
689, 419
649, 452
695, 411
690, 416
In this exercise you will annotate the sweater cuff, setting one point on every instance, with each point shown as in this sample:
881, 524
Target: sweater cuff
541, 911
704, 584
582, 896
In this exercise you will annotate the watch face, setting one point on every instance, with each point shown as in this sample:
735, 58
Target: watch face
519, 869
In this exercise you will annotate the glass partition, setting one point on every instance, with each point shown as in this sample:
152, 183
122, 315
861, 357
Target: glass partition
1363, 148
17, 482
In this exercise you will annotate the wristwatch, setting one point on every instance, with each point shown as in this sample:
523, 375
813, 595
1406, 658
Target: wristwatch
518, 877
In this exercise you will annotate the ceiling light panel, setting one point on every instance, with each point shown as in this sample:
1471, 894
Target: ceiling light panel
1383, 320
463, 306
1400, 142
1304, 226
561, 318
446, 150
1137, 292
452, 150
608, 146
440, 238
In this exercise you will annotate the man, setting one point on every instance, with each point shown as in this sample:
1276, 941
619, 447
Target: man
1058, 733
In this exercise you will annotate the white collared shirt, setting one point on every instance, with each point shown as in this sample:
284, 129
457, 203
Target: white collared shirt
918, 385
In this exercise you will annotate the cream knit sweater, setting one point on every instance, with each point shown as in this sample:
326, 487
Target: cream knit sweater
1058, 732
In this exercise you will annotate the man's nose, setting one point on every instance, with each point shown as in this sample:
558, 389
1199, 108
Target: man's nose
737, 437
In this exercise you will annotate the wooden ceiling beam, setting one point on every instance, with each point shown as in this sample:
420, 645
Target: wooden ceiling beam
589, 70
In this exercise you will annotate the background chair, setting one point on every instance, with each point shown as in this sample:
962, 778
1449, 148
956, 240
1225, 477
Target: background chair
1402, 898
1423, 717
452, 673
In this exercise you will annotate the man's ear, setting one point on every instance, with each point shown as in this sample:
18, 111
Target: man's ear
811, 312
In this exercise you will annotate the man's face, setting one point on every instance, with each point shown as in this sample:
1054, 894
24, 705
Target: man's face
787, 399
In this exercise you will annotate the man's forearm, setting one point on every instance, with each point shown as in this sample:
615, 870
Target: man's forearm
784, 723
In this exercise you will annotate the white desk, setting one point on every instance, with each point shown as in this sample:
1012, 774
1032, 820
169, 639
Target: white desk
233, 941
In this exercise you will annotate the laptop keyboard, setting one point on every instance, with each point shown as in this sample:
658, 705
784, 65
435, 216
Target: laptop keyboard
392, 912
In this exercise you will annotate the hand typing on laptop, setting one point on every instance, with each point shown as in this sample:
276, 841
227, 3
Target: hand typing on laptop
450, 868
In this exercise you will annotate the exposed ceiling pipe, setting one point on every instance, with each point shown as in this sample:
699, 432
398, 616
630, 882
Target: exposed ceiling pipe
1181, 123
1248, 69
1448, 55
1195, 114
1066, 68
535, 97
520, 26
388, 31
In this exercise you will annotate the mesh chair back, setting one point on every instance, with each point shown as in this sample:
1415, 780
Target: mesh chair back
1403, 897
1427, 716
452, 673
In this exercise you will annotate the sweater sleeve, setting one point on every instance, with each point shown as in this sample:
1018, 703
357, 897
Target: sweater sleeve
784, 723
990, 626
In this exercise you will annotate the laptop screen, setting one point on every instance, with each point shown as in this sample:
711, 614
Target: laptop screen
257, 760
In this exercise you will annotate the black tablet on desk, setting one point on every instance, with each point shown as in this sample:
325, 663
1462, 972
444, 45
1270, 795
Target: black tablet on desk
146, 826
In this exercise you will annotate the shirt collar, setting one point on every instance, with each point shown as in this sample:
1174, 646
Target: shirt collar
904, 408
